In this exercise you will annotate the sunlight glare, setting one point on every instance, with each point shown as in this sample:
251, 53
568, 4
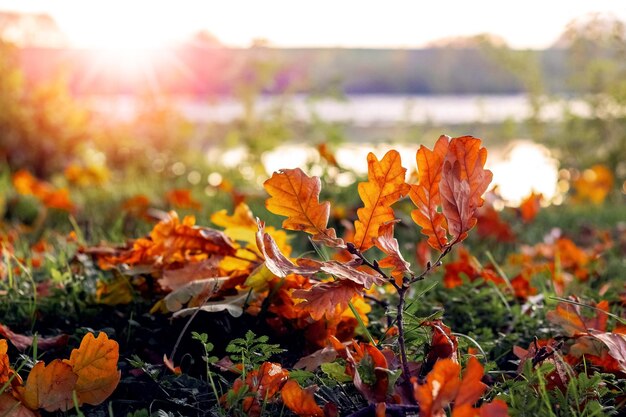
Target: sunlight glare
523, 168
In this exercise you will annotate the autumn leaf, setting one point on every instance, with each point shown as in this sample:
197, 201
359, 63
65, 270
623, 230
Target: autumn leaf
194, 293
390, 247
385, 185
299, 401
463, 182
174, 279
569, 316
276, 262
327, 299
471, 388
26, 184
23, 342
296, 196
441, 387
443, 345
181, 198
49, 386
426, 196
530, 206
11, 407
5, 365
95, 363
616, 344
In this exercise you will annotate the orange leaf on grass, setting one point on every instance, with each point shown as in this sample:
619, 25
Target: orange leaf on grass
95, 363
463, 182
426, 196
441, 387
327, 299
569, 316
23, 342
49, 386
296, 196
616, 343
300, 401
385, 185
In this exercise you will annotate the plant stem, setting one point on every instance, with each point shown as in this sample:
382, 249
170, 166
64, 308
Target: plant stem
406, 373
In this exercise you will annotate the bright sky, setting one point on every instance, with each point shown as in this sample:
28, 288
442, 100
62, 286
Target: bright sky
347, 23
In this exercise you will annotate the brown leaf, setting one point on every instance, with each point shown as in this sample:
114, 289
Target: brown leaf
174, 279
23, 342
349, 271
426, 196
49, 386
10, 407
443, 345
299, 401
95, 363
389, 245
463, 182
5, 365
296, 196
570, 318
194, 293
278, 263
327, 299
385, 185
616, 343
316, 359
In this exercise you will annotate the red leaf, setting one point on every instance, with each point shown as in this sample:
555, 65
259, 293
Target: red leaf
463, 182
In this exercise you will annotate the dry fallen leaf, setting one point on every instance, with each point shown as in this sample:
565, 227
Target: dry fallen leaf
49, 386
95, 363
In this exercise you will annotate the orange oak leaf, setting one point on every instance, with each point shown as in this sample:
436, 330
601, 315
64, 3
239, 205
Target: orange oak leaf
444, 386
49, 386
463, 182
327, 299
300, 401
385, 185
426, 196
296, 196
389, 245
173, 241
11, 407
441, 387
95, 363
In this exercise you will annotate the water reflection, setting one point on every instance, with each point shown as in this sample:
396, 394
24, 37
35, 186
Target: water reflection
524, 167
518, 169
